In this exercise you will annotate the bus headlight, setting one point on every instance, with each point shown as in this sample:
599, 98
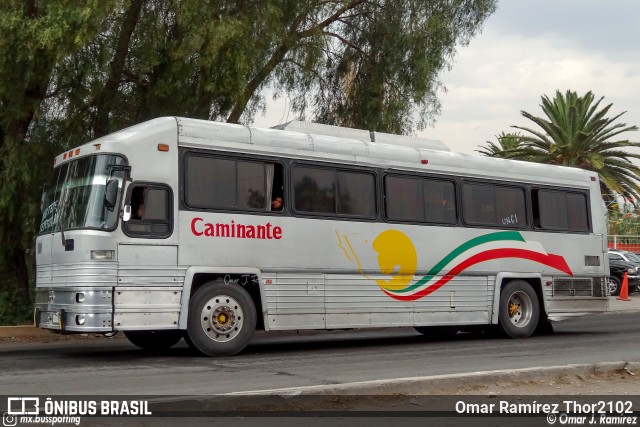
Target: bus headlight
103, 255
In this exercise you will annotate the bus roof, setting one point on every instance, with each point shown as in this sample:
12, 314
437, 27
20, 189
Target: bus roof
331, 143
311, 141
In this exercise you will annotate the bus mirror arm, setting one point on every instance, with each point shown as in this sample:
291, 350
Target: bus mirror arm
125, 168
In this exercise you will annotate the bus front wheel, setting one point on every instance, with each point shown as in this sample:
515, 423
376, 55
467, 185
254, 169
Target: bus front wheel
222, 319
519, 309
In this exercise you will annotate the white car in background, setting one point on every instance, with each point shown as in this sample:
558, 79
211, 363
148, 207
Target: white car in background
624, 256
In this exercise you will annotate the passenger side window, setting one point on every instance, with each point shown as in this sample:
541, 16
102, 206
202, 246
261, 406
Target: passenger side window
150, 211
334, 192
418, 199
233, 184
494, 205
560, 210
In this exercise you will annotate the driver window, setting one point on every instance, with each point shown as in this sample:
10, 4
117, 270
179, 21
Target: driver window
150, 211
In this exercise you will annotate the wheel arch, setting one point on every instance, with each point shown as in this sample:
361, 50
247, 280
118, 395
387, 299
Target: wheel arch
534, 279
197, 277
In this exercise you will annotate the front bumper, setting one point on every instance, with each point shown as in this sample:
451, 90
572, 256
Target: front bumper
76, 309
84, 309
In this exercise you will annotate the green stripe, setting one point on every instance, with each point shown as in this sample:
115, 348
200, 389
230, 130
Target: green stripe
477, 241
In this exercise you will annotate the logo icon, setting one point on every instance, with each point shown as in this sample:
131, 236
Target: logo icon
20, 406
9, 420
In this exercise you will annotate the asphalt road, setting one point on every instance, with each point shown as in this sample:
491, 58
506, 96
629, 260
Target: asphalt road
115, 367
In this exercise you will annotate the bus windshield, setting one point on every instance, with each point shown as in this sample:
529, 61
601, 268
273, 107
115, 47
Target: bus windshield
76, 194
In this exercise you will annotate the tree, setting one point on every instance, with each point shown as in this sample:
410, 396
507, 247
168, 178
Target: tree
509, 147
371, 64
34, 36
575, 131
378, 66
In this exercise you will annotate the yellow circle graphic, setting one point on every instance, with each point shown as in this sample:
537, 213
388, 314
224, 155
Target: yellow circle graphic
397, 257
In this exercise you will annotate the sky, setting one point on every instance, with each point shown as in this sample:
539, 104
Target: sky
527, 49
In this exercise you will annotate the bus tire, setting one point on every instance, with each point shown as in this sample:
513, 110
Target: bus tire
222, 319
519, 309
154, 340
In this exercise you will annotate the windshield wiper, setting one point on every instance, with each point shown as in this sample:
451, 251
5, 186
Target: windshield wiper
63, 199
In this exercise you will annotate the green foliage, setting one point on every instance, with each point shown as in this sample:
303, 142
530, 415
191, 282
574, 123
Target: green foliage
509, 147
34, 36
386, 72
575, 131
371, 64
15, 309
624, 220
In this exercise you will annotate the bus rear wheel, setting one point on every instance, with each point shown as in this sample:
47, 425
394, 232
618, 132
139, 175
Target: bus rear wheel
221, 321
154, 340
519, 309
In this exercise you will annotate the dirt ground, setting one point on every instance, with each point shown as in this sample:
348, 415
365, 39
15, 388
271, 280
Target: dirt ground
618, 382
47, 337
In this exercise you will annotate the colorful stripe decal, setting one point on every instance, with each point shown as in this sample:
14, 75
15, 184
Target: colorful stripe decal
477, 241
551, 260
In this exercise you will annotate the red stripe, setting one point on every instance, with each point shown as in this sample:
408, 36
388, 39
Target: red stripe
550, 260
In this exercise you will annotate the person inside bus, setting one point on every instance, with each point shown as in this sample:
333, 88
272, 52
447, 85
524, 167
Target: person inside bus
140, 210
277, 204
137, 203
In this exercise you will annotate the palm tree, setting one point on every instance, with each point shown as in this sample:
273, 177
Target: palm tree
509, 147
577, 132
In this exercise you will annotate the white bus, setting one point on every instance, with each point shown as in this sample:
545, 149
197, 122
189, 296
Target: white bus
180, 227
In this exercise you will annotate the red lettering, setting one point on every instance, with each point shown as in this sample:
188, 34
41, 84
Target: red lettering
233, 230
193, 226
222, 230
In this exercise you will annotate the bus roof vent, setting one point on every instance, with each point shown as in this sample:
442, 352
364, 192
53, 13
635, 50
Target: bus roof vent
328, 130
362, 135
408, 141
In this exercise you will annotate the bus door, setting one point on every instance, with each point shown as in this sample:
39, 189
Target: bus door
149, 280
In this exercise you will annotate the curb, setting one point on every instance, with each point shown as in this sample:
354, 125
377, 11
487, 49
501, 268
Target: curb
418, 385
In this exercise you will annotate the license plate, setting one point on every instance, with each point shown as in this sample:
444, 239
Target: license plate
53, 320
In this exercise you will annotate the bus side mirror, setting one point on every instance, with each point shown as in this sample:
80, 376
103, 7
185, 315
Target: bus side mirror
126, 213
111, 194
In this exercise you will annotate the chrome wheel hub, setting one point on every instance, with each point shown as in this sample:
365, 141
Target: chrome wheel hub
520, 309
221, 318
